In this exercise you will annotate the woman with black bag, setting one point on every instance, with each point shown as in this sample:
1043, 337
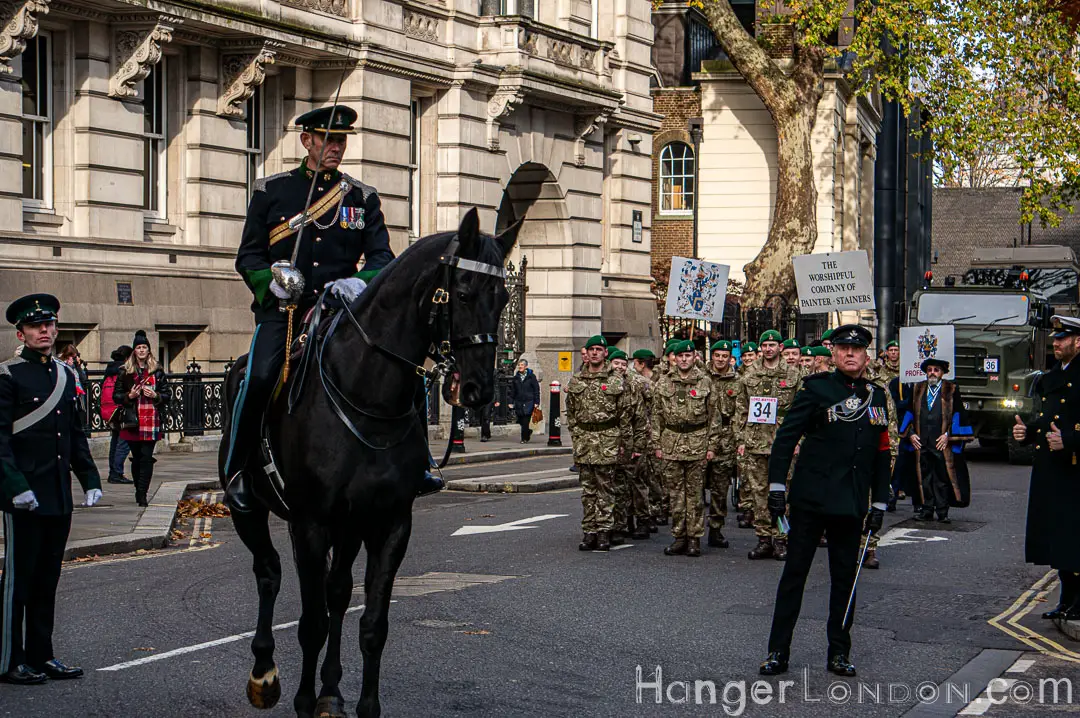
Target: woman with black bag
524, 397
141, 391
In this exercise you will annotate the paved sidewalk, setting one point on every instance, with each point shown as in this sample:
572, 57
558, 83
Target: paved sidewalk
118, 525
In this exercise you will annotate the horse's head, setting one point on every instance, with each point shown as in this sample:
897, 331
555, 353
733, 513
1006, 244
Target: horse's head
475, 303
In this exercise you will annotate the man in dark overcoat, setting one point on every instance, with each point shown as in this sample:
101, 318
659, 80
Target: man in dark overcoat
1053, 533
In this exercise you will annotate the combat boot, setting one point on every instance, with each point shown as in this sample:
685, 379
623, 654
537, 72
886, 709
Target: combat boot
764, 549
603, 541
641, 530
693, 547
716, 539
780, 549
746, 520
654, 522
617, 538
871, 560
588, 543
677, 548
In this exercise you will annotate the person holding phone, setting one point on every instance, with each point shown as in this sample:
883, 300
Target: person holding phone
141, 390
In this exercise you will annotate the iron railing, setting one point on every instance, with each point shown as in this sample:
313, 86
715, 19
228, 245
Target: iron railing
194, 403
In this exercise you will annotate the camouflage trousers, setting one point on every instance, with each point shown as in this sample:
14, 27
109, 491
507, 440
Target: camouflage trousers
659, 500
719, 483
597, 496
686, 482
755, 484
746, 505
631, 493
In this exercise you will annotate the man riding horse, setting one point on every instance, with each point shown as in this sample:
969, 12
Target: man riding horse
337, 220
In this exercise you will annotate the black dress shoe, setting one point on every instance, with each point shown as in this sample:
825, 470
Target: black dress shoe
23, 675
841, 666
57, 671
1056, 613
431, 484
775, 664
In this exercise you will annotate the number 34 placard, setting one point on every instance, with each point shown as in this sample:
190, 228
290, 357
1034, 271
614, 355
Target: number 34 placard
762, 410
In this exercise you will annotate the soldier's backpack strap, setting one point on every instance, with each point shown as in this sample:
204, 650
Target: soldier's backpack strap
50, 403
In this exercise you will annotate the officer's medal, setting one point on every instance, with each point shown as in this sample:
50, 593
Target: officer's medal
851, 409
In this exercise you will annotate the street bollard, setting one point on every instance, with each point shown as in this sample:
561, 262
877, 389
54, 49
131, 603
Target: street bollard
457, 430
554, 420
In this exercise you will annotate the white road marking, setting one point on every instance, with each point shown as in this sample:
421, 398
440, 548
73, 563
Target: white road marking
894, 537
561, 471
980, 705
621, 546
518, 525
209, 644
1021, 665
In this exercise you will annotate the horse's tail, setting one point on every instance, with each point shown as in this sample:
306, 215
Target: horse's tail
232, 389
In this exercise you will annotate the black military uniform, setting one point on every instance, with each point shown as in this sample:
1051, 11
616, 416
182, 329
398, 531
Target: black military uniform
41, 441
345, 223
845, 457
1054, 497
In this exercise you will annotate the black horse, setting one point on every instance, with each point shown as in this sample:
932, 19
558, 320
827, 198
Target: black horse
353, 450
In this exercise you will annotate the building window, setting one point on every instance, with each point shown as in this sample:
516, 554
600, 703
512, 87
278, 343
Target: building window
677, 178
155, 185
37, 120
510, 7
414, 169
254, 148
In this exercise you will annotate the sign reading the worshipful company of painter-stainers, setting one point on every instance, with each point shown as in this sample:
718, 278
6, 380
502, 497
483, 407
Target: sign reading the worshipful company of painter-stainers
697, 289
833, 282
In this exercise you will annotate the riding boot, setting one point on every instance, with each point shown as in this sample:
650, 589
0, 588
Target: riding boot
430, 484
764, 549
588, 542
693, 547
603, 541
780, 549
238, 494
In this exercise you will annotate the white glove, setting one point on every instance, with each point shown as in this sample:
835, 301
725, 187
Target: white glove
92, 497
347, 289
25, 500
279, 291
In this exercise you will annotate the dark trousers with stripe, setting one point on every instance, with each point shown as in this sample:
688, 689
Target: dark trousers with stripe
33, 553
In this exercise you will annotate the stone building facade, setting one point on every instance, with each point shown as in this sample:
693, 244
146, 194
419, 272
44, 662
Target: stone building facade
141, 127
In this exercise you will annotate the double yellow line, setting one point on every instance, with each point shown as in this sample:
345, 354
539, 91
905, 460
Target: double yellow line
1008, 621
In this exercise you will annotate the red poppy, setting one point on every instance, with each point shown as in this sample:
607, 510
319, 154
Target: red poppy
603, 387
693, 393
783, 383
731, 392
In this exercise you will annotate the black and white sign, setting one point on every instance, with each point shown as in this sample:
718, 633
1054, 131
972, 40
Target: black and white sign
762, 410
991, 365
833, 282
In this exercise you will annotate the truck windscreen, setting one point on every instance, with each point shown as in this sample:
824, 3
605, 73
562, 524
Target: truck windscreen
1003, 310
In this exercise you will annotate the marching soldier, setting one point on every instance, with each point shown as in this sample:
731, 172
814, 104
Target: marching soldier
41, 442
1054, 496
843, 421
631, 515
722, 466
598, 414
764, 396
686, 423
648, 466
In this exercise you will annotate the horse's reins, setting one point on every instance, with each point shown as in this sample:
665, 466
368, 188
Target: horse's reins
441, 350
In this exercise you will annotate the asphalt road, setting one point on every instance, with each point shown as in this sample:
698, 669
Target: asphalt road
520, 623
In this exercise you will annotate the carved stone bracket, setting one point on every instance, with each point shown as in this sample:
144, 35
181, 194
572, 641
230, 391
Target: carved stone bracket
240, 74
20, 24
333, 7
501, 105
135, 52
421, 26
585, 125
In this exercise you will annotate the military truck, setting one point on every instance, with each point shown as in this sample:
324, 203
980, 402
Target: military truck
1001, 312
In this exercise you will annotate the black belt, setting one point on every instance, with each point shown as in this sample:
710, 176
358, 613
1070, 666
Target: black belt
685, 428
597, 426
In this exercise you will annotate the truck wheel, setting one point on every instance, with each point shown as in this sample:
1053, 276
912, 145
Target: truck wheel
1020, 455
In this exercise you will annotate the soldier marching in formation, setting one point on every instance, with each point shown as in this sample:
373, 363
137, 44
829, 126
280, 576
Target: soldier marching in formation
722, 466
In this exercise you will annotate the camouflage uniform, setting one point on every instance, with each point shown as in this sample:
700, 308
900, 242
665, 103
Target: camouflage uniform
631, 493
758, 438
686, 425
722, 467
598, 414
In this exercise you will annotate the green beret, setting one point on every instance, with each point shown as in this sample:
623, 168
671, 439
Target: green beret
616, 354
893, 343
825, 336
644, 354
684, 346
791, 344
821, 352
806, 351
596, 341
611, 350
750, 347
721, 346
770, 336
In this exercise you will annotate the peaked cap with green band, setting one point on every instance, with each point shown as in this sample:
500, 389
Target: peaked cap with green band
643, 354
33, 309
318, 120
684, 346
771, 336
721, 346
791, 343
596, 340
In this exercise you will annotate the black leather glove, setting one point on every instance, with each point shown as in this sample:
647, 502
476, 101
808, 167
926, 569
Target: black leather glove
777, 504
873, 520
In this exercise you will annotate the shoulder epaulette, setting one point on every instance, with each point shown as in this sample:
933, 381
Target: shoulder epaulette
260, 184
5, 366
366, 190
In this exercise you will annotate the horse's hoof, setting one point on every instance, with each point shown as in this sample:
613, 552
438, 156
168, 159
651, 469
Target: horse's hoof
264, 692
330, 707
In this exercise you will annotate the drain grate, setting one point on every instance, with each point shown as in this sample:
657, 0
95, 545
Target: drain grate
958, 526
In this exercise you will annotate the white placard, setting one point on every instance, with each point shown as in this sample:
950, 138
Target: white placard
696, 289
762, 410
833, 282
920, 343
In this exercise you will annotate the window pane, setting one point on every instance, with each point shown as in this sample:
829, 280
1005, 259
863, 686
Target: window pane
30, 86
